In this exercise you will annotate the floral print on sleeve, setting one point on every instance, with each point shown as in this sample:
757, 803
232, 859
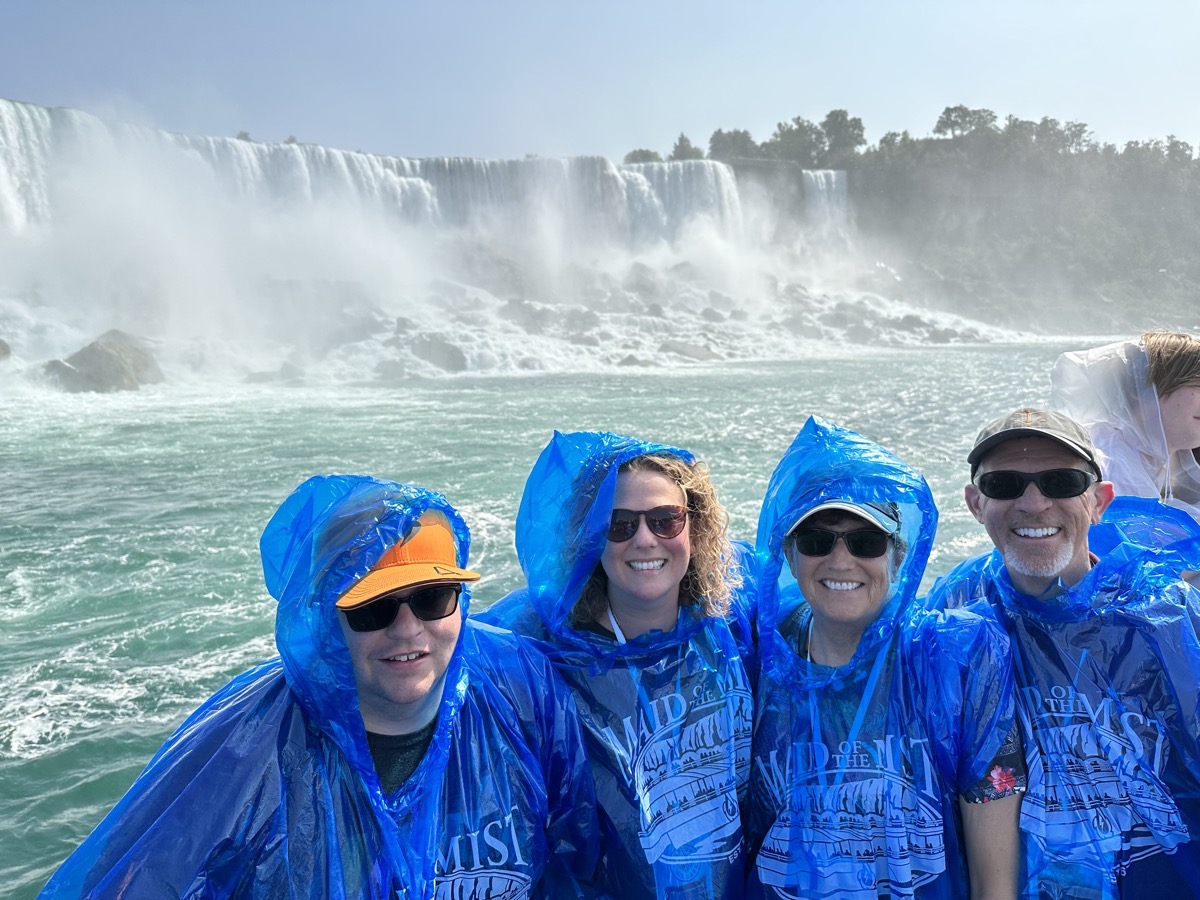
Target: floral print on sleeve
1006, 775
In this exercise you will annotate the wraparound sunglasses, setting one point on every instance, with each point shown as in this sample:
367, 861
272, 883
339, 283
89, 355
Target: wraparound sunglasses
1055, 484
428, 604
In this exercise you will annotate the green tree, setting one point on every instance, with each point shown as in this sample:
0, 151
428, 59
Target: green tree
798, 141
642, 156
242, 136
894, 139
843, 137
1079, 137
1178, 152
685, 149
959, 121
731, 145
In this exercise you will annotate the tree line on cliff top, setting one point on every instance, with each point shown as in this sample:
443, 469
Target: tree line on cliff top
1031, 211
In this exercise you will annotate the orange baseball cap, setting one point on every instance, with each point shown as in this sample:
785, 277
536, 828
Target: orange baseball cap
425, 556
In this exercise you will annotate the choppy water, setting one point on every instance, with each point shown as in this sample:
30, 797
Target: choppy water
130, 583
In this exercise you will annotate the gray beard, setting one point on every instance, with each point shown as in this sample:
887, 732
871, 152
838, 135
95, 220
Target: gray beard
1039, 569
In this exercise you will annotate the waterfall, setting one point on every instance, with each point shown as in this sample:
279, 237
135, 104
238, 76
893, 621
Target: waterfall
825, 201
588, 198
234, 255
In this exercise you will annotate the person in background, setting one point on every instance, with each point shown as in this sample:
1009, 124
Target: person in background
630, 580
1107, 661
886, 761
1140, 401
393, 749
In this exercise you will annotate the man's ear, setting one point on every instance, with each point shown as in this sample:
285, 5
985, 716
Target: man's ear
974, 499
1102, 496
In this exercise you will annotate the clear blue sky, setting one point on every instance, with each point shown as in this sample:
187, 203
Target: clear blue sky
502, 79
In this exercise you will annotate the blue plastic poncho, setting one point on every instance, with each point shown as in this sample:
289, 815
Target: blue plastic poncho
857, 769
667, 715
1108, 673
269, 790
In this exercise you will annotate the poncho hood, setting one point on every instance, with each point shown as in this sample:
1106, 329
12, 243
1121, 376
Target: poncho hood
1110, 387
322, 539
562, 528
826, 462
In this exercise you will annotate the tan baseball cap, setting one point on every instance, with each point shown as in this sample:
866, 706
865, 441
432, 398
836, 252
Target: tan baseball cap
1035, 423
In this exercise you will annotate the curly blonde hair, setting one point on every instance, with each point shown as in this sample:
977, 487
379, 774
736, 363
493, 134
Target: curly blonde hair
712, 574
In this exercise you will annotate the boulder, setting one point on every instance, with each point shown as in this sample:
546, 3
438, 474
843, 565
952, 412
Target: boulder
438, 351
533, 317
115, 361
579, 319
287, 371
697, 352
391, 370
644, 281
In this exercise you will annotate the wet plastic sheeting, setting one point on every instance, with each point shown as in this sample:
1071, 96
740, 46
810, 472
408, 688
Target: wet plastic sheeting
857, 768
268, 790
667, 715
1108, 673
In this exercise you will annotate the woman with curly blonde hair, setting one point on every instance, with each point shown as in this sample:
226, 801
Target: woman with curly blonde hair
711, 575
634, 592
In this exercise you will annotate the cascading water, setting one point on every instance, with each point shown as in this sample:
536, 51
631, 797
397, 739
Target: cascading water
237, 256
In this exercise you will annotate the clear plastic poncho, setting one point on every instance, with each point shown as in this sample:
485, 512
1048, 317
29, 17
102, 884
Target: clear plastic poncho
667, 715
857, 769
269, 790
1108, 677
1108, 391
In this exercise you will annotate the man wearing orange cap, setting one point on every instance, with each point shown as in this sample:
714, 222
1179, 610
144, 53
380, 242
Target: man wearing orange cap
394, 749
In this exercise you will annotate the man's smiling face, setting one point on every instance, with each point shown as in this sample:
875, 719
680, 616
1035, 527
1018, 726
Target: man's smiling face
1041, 539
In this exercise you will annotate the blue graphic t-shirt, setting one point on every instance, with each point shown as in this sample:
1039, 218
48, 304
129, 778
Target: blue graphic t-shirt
667, 716
857, 770
1108, 673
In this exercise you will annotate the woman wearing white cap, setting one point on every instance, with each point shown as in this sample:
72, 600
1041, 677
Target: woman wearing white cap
884, 762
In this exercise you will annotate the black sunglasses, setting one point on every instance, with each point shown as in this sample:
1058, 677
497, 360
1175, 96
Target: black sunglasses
663, 522
1055, 484
865, 543
428, 604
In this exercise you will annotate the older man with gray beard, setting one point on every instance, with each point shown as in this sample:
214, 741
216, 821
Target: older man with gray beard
1107, 664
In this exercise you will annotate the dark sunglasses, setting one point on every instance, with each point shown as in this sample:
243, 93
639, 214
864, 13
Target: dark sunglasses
428, 604
865, 543
663, 522
1055, 484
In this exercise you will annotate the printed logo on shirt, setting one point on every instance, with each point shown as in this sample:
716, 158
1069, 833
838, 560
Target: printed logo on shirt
686, 755
1095, 767
863, 817
483, 864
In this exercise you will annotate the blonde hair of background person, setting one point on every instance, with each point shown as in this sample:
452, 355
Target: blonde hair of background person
1140, 402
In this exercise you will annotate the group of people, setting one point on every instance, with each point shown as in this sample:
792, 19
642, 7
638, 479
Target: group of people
660, 712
